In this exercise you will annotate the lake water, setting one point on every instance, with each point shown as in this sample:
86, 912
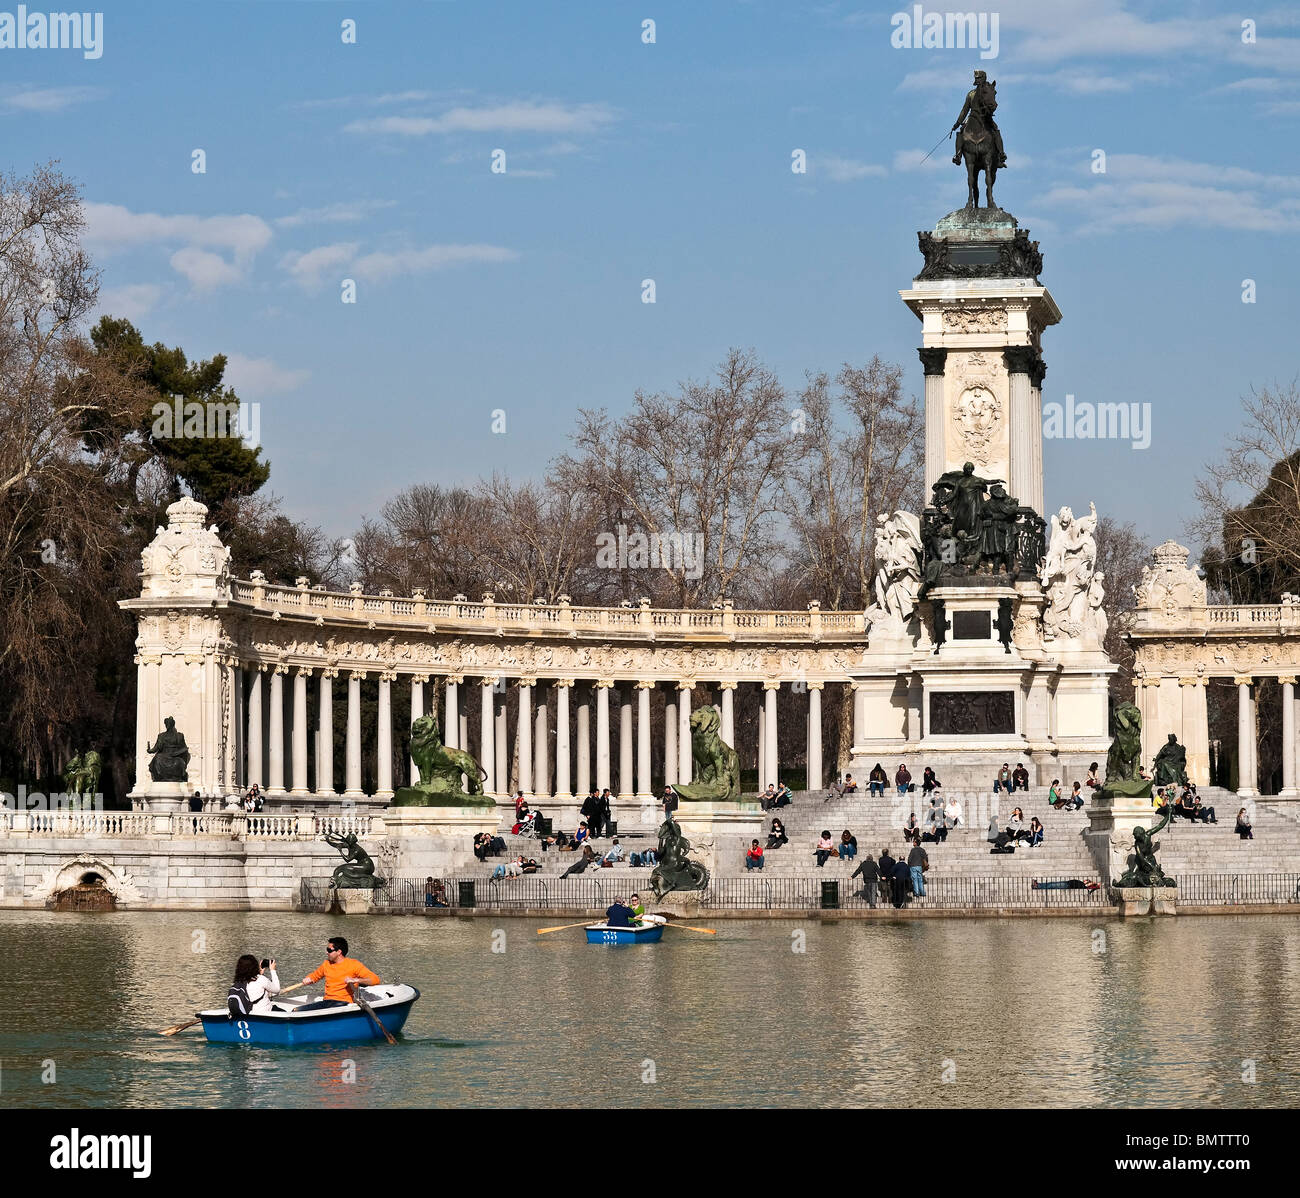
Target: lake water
1015, 1012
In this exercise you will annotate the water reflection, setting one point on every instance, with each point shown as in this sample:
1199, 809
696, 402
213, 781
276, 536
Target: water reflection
951, 1013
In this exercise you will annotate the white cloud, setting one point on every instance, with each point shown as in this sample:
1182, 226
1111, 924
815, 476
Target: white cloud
251, 377
524, 117
308, 269
49, 99
205, 270
131, 300
340, 213
112, 227
845, 170
381, 266
1144, 192
915, 160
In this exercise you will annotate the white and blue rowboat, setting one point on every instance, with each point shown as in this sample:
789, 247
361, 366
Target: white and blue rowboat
287, 1027
651, 931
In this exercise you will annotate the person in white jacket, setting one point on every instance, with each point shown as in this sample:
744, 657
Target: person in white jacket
263, 988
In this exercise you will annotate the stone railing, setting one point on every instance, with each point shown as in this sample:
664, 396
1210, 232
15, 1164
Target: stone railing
203, 825
1245, 620
490, 618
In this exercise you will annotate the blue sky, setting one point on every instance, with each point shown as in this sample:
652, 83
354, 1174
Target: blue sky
624, 160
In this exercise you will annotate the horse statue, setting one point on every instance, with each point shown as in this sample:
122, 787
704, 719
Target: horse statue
81, 777
979, 141
440, 772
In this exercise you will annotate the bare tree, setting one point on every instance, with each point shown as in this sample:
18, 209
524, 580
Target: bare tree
1249, 522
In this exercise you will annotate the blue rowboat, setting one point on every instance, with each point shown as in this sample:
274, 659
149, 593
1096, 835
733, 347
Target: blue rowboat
291, 1028
647, 933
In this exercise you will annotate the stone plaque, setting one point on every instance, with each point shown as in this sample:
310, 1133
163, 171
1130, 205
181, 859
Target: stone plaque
972, 713
972, 626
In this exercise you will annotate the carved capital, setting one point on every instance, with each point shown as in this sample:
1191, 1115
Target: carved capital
356, 675
1243, 680
566, 683
604, 684
647, 684
329, 672
771, 684
686, 684
304, 671
1285, 678
728, 684
932, 359
1020, 359
423, 678
815, 684
451, 679
387, 675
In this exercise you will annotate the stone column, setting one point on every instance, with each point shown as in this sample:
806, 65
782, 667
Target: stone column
501, 735
542, 747
1196, 729
417, 711
584, 742
241, 728
563, 770
352, 781
1019, 361
626, 783
275, 783
684, 762
451, 723
932, 362
1036, 377
645, 792
671, 760
300, 676
462, 737
254, 738
728, 729
859, 715
1288, 738
602, 733
487, 750
525, 727
325, 731
384, 739
1247, 783
762, 748
773, 765
814, 736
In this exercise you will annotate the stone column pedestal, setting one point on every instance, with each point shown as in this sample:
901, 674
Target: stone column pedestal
435, 840
1145, 900
720, 832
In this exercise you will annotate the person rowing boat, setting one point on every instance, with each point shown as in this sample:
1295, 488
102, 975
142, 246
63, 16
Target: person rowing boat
341, 974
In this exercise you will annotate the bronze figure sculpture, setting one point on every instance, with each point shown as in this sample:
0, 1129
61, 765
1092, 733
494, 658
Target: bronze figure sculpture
441, 769
1171, 763
1144, 871
358, 870
171, 756
676, 871
717, 767
979, 140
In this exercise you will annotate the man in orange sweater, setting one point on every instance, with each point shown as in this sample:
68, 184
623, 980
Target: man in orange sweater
340, 972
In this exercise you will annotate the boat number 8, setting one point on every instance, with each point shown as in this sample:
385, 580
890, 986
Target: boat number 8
244, 1033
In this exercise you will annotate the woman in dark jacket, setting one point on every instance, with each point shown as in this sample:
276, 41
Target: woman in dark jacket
777, 837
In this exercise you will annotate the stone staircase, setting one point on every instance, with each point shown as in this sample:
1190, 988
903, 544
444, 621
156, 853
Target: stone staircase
877, 822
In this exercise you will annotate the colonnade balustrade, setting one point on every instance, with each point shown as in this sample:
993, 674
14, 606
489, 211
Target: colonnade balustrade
569, 760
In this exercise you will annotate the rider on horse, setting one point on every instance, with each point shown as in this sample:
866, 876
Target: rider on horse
981, 101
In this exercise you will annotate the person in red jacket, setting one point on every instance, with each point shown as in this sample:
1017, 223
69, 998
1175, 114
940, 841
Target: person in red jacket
754, 858
341, 974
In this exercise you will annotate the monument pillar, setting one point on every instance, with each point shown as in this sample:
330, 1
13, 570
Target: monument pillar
563, 767
814, 779
932, 363
325, 731
524, 734
255, 764
353, 766
275, 783
1247, 783
487, 727
645, 790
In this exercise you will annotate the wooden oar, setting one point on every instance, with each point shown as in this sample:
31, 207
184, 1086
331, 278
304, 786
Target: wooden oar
685, 927
369, 1010
180, 1027
563, 927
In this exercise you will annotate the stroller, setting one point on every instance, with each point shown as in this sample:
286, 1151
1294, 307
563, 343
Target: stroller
527, 827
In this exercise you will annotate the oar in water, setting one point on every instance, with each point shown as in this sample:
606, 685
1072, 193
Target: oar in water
369, 1010
563, 927
180, 1027
685, 927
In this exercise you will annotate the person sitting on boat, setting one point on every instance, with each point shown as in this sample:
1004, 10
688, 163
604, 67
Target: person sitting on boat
619, 915
341, 973
250, 990
638, 910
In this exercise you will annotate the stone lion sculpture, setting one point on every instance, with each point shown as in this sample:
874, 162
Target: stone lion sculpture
440, 771
717, 767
